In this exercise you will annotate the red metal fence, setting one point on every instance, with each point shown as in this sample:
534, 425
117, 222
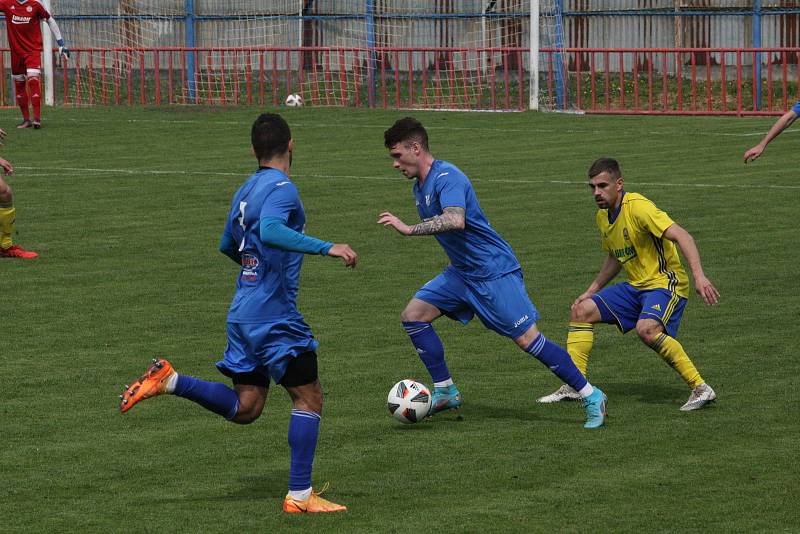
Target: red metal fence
696, 81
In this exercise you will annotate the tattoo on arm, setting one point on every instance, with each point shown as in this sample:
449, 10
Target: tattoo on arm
452, 218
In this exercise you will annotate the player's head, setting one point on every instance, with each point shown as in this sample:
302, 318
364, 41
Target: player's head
271, 137
407, 142
606, 182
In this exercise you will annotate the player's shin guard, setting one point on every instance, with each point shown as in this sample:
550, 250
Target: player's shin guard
212, 396
21, 93
580, 340
35, 91
672, 352
558, 361
7, 217
303, 434
429, 347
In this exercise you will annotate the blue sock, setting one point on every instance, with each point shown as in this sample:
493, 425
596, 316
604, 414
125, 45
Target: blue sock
558, 360
213, 396
429, 347
303, 432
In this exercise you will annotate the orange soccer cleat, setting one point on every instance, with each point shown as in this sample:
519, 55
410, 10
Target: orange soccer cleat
153, 382
314, 504
16, 251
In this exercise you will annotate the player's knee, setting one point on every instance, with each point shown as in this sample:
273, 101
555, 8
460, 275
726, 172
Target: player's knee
411, 315
6, 195
310, 401
249, 411
648, 331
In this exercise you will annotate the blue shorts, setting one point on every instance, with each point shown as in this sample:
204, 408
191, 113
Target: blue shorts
623, 305
265, 348
501, 304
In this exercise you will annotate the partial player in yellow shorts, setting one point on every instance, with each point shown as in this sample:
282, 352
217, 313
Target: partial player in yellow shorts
8, 216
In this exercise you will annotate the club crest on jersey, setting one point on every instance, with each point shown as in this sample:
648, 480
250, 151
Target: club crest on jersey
625, 234
249, 267
29, 9
427, 200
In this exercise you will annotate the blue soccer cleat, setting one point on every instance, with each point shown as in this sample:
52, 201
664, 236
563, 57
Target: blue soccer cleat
595, 406
445, 398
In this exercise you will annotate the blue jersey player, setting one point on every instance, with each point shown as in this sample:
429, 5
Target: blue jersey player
484, 277
267, 336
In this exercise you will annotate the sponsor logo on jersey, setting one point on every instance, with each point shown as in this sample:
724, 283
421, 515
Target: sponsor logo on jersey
19, 19
249, 267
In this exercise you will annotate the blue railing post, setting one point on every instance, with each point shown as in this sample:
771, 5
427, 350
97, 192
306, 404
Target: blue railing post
757, 55
373, 59
560, 68
191, 71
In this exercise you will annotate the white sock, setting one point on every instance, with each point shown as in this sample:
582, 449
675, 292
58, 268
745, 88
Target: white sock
448, 382
171, 382
586, 390
300, 495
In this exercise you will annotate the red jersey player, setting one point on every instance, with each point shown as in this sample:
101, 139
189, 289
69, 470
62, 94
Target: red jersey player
25, 39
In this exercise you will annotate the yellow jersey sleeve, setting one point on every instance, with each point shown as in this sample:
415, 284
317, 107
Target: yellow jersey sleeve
648, 218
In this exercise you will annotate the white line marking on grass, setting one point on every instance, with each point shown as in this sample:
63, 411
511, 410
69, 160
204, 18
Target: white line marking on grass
77, 171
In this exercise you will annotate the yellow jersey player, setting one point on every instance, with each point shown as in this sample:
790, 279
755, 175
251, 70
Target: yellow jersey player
8, 215
642, 239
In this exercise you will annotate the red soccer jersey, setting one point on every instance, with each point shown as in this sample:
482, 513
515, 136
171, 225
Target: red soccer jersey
23, 25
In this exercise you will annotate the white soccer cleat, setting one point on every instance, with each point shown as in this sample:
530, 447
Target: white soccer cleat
701, 395
564, 393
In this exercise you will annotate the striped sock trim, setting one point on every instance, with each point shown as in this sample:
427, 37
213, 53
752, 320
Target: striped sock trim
656, 346
306, 414
536, 345
415, 327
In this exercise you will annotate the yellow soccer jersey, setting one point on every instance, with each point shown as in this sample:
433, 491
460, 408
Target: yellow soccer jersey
635, 239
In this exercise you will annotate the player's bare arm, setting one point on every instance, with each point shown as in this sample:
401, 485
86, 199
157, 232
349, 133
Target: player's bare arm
685, 242
780, 125
343, 250
610, 268
451, 219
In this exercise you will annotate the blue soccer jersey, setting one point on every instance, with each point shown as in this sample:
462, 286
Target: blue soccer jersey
478, 252
267, 285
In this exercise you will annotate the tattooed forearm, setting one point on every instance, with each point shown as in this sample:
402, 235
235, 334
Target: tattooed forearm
450, 219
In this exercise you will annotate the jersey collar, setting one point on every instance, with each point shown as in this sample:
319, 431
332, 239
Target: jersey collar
613, 216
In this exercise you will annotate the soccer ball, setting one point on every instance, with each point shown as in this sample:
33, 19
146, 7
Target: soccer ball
409, 401
294, 100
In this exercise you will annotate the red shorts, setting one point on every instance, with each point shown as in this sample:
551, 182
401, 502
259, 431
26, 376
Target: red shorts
20, 63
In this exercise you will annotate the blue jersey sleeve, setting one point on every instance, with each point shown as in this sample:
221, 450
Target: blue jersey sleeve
228, 246
796, 108
452, 188
274, 233
281, 202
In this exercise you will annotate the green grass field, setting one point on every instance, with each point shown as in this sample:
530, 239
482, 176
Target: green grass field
126, 207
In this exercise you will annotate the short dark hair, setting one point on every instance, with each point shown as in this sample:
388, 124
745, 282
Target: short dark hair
270, 136
609, 165
406, 129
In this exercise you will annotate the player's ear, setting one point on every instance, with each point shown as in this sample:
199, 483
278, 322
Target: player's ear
291, 145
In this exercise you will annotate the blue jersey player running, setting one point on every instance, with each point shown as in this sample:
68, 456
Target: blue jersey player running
267, 336
484, 277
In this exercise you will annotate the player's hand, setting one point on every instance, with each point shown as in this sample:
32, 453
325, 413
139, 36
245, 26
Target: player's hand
387, 219
63, 51
7, 168
343, 250
753, 153
706, 290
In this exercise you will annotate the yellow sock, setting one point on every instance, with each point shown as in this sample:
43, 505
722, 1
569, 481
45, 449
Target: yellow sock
672, 352
7, 216
580, 340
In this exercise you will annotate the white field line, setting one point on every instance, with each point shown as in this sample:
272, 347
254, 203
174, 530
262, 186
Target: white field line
78, 171
666, 130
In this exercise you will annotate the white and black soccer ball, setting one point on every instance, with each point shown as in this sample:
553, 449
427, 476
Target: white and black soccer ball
294, 100
409, 401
